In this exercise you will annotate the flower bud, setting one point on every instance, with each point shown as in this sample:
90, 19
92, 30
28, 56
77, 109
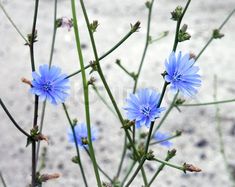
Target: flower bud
177, 13
216, 34
93, 26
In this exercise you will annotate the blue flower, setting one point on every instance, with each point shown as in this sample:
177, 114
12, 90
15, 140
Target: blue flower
182, 74
160, 137
81, 134
50, 84
142, 107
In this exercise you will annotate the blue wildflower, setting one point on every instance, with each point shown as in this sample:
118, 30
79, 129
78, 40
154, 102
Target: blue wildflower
142, 107
81, 134
182, 74
50, 84
161, 138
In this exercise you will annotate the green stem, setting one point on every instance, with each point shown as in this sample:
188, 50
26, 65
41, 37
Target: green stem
166, 114
50, 62
211, 38
128, 173
13, 120
160, 168
86, 94
220, 135
13, 24
76, 144
54, 34
100, 72
122, 158
210, 103
109, 51
125, 70
101, 170
178, 26
162, 35
145, 47
136, 171
170, 164
170, 138
103, 100
2, 179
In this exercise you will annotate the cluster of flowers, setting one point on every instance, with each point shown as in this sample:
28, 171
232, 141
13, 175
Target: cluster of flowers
142, 107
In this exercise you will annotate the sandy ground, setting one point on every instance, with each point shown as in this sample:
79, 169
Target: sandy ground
199, 143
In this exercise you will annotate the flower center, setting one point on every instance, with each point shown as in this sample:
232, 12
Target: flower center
177, 77
146, 110
47, 86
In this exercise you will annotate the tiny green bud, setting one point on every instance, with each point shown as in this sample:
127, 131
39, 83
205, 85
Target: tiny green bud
148, 4
75, 121
75, 160
143, 135
94, 25
178, 133
93, 66
141, 149
135, 27
150, 155
91, 81
183, 35
216, 34
84, 141
32, 39
171, 153
177, 13
179, 102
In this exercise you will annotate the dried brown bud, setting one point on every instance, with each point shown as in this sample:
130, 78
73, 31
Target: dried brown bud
191, 168
46, 177
192, 55
41, 137
26, 81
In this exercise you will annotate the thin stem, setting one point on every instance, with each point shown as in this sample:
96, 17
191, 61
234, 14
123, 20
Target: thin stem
33, 34
125, 70
103, 100
166, 114
31, 47
169, 138
152, 124
100, 72
128, 172
220, 135
178, 26
162, 35
76, 144
101, 170
50, 62
122, 158
54, 34
13, 24
136, 171
160, 168
108, 52
41, 127
211, 38
2, 179
86, 93
13, 120
170, 164
146, 45
210, 103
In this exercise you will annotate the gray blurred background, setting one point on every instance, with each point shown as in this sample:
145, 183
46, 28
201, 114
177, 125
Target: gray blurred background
199, 143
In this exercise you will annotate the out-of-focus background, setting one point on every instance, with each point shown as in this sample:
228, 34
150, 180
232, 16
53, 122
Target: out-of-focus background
199, 143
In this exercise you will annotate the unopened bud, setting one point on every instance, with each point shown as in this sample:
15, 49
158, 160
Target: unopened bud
135, 27
26, 81
191, 168
177, 13
94, 25
46, 177
216, 34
